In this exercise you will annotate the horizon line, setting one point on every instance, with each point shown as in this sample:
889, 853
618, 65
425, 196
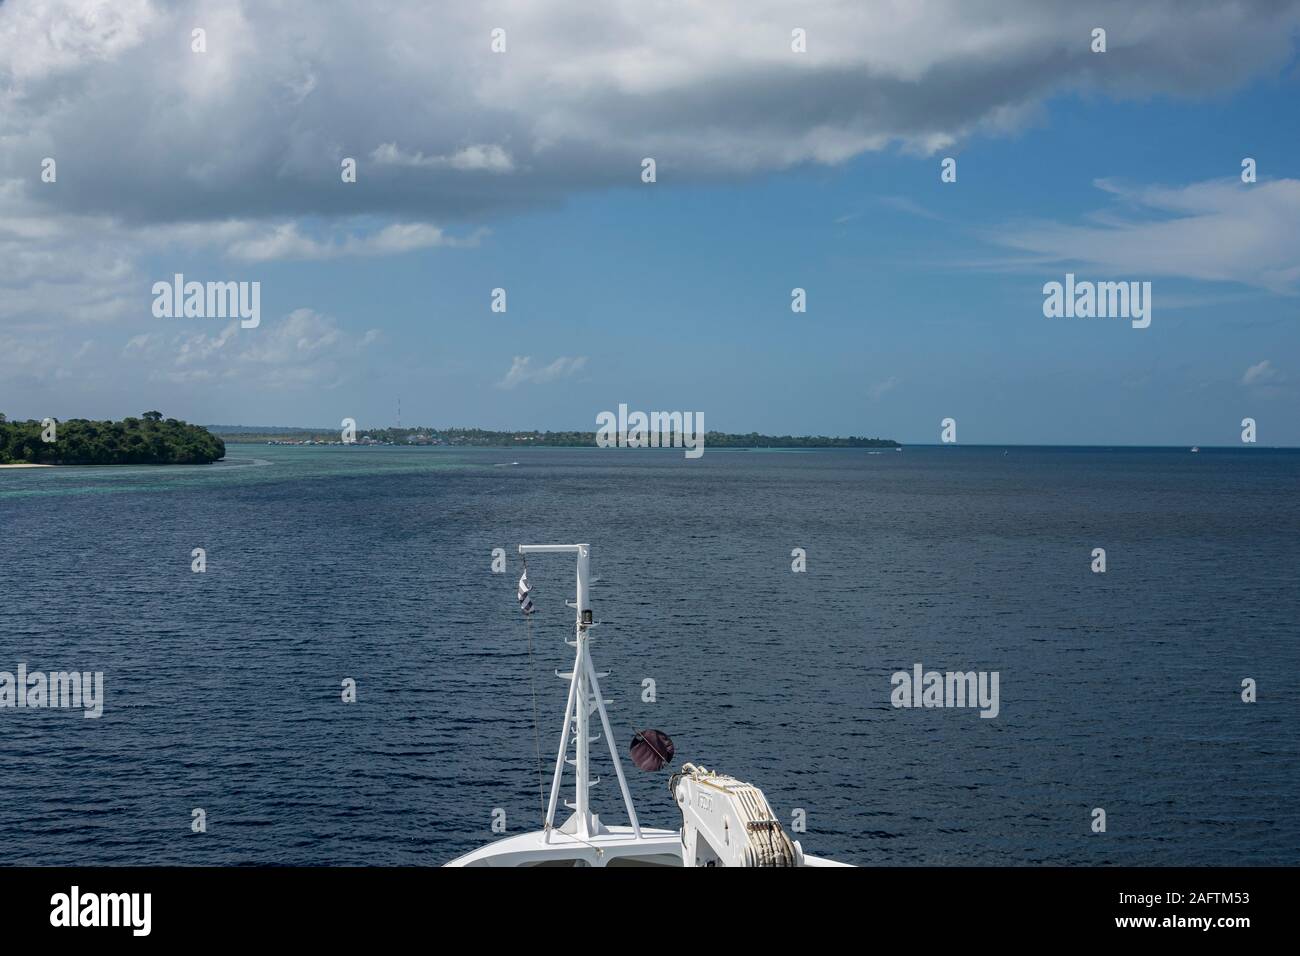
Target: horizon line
901, 442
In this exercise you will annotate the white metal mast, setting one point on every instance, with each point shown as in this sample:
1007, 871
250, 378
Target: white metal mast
585, 699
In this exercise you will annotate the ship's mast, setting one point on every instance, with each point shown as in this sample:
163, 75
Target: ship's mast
585, 700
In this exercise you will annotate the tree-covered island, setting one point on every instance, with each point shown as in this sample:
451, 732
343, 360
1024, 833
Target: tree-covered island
147, 440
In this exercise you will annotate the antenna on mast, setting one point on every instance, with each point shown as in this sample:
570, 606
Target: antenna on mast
585, 701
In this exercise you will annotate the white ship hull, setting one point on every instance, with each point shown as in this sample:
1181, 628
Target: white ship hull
617, 846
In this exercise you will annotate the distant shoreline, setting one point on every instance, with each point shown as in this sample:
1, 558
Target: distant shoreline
1184, 449
486, 438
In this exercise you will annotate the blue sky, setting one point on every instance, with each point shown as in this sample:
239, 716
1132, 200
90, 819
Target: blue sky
924, 298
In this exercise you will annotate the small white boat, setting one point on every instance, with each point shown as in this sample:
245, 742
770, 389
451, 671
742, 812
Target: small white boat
724, 821
1195, 449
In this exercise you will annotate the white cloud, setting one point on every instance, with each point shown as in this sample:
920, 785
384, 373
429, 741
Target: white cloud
302, 350
87, 269
485, 157
879, 389
60, 267
522, 371
237, 150
909, 206
286, 241
1261, 373
1219, 230
256, 127
42, 41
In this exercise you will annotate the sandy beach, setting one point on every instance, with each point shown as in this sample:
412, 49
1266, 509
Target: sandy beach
25, 465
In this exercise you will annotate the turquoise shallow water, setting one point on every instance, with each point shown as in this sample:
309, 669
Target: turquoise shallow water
1118, 690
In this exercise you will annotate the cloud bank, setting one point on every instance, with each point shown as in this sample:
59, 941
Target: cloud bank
445, 129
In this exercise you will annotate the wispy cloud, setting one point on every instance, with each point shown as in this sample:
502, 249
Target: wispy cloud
287, 241
302, 350
1218, 230
88, 269
1261, 373
522, 371
878, 390
909, 206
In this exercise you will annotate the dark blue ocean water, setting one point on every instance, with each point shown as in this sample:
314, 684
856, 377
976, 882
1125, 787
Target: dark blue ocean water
1118, 690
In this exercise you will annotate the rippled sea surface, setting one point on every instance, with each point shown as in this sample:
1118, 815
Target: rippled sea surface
1119, 690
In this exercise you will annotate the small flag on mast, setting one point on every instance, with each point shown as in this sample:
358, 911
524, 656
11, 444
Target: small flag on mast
525, 598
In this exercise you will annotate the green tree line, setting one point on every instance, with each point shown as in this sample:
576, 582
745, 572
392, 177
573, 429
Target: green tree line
147, 440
